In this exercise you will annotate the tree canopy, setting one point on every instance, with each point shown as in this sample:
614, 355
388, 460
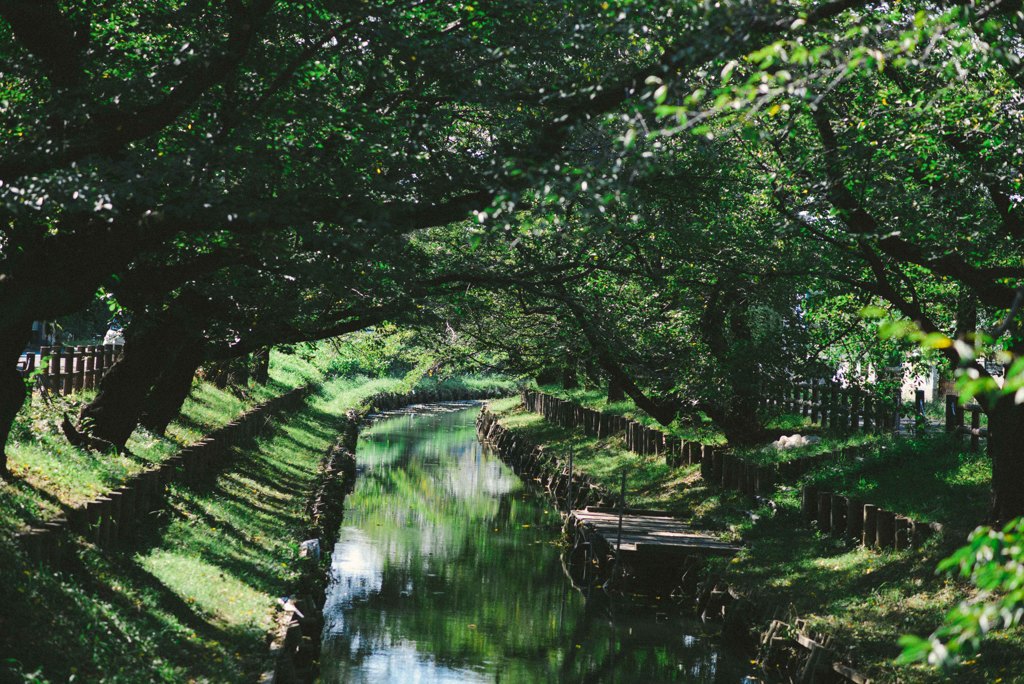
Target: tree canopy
687, 201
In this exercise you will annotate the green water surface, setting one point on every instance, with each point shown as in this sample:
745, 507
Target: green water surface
448, 569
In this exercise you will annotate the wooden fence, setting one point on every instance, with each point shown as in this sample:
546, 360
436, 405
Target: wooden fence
862, 523
829, 404
639, 438
71, 369
846, 517
955, 415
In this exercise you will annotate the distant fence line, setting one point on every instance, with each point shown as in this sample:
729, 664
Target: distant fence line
848, 517
639, 438
71, 369
829, 404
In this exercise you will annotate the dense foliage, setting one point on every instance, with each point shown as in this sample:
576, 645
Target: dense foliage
686, 201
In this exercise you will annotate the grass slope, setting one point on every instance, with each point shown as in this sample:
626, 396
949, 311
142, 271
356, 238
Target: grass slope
51, 473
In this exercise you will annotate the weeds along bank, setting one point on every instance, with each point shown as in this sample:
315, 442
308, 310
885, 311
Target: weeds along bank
860, 600
192, 595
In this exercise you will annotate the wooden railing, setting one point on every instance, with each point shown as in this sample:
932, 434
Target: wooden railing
829, 404
638, 437
64, 370
955, 414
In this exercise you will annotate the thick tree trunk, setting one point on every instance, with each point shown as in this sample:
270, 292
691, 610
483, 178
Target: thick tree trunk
568, 378
1006, 449
735, 412
547, 376
739, 424
616, 392
115, 411
13, 337
171, 389
261, 366
232, 372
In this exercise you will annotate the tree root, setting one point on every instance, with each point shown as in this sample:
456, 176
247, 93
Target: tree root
84, 440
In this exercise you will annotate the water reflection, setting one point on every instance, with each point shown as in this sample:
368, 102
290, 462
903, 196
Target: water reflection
446, 570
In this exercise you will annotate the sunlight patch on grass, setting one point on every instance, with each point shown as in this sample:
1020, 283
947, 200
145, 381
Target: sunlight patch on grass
207, 586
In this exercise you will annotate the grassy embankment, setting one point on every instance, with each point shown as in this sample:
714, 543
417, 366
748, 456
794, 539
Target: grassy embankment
50, 473
865, 599
193, 600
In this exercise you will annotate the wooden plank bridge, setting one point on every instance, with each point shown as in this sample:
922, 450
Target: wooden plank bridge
646, 532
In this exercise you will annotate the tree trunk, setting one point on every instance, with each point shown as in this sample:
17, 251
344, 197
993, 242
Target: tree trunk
1006, 449
13, 338
735, 411
616, 392
569, 380
261, 366
115, 411
741, 426
171, 389
547, 376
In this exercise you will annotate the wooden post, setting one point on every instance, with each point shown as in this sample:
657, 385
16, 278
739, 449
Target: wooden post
824, 511
53, 371
885, 532
726, 471
837, 524
44, 380
855, 409
975, 428
829, 412
904, 532
569, 486
79, 358
89, 367
870, 525
101, 363
838, 418
622, 512
868, 412
854, 519
128, 510
97, 364
104, 512
815, 402
809, 502
68, 370
706, 468
897, 400
954, 416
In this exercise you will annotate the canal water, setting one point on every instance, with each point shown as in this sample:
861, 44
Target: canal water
448, 569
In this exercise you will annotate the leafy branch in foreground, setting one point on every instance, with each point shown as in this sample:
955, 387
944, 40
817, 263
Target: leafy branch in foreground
993, 561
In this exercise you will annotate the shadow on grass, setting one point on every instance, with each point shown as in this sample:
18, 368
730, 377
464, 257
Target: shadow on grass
21, 503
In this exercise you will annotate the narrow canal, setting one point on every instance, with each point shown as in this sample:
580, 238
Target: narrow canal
448, 569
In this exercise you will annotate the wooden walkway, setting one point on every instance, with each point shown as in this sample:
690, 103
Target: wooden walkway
651, 532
